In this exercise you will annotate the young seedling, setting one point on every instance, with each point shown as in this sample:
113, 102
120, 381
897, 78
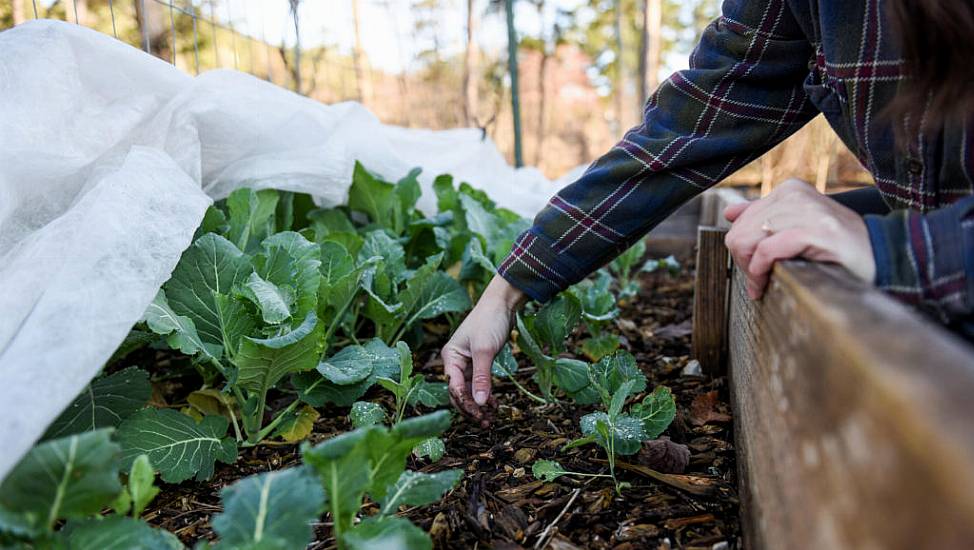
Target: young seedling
410, 390
548, 329
614, 379
372, 461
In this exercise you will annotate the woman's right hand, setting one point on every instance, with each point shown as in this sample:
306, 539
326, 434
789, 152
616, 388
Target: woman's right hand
469, 354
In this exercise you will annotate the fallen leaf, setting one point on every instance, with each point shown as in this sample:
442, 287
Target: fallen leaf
702, 410
664, 455
627, 533
695, 485
674, 331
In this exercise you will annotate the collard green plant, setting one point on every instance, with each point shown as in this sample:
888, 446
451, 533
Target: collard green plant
270, 510
598, 310
104, 403
543, 335
372, 461
74, 478
613, 380
623, 268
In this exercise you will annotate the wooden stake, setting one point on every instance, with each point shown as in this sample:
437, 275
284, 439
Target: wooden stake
709, 344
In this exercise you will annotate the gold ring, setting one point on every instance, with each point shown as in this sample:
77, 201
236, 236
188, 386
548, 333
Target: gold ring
766, 227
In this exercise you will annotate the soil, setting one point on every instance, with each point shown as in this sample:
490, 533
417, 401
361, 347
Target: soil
498, 504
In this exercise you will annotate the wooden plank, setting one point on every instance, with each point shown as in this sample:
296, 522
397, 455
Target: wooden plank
709, 345
852, 417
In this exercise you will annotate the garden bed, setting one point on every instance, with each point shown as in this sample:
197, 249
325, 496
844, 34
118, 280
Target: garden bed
499, 503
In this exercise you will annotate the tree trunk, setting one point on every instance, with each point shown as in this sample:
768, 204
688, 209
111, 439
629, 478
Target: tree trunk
542, 88
512, 68
296, 67
80, 8
18, 12
650, 49
363, 82
654, 24
620, 75
470, 99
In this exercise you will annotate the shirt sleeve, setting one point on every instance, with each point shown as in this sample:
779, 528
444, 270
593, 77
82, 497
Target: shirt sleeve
742, 94
927, 259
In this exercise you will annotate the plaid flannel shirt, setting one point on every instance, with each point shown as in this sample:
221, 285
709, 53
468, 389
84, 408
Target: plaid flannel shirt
760, 72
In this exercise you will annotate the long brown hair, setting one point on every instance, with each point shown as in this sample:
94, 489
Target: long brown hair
937, 42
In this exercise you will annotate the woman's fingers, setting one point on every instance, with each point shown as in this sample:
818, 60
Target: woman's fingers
483, 357
733, 211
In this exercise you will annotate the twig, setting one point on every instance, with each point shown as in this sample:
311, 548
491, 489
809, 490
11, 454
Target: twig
544, 534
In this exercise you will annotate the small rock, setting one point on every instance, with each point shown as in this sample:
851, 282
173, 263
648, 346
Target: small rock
692, 369
722, 545
518, 473
525, 455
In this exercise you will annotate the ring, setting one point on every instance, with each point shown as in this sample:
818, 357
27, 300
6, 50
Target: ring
766, 227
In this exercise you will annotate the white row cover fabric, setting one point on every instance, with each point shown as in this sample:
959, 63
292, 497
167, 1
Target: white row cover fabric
108, 160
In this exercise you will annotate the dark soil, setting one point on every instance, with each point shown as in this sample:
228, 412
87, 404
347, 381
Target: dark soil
499, 504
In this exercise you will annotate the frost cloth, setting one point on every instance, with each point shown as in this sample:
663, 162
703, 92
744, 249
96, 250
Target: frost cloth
108, 160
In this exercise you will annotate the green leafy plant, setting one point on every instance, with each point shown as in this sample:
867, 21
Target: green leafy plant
372, 461
72, 479
612, 380
410, 390
543, 335
598, 310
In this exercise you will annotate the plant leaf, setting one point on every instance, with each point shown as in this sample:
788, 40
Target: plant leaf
290, 261
141, 486
547, 470
350, 365
117, 533
277, 505
598, 347
251, 216
71, 477
433, 448
387, 533
298, 425
262, 363
210, 268
430, 394
274, 302
571, 375
431, 293
619, 398
181, 330
656, 411
418, 489
375, 198
178, 446
504, 364
628, 432
104, 403
556, 320
366, 413
343, 465
316, 390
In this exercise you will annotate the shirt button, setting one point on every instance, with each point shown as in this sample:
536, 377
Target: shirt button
914, 167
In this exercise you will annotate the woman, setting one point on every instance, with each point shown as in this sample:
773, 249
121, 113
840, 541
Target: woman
891, 78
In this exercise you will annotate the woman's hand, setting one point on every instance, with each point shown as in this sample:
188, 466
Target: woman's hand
469, 354
796, 221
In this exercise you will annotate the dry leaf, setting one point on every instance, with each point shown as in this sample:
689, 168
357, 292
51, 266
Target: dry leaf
702, 410
664, 455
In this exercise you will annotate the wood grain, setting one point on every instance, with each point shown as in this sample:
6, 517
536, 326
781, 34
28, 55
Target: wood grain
853, 417
709, 345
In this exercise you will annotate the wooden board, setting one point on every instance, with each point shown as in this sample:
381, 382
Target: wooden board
709, 345
854, 417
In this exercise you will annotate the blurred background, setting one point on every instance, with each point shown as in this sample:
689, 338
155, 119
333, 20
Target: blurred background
577, 78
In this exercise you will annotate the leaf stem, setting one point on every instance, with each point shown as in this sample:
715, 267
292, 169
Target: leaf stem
522, 389
278, 419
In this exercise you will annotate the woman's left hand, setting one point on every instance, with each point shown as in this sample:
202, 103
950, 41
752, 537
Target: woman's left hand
796, 221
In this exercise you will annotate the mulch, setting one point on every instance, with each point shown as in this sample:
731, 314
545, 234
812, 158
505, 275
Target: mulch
498, 503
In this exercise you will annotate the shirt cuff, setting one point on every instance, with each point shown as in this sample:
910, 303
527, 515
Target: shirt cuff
535, 269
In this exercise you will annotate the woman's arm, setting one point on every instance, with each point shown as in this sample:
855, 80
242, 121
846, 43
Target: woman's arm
927, 259
742, 95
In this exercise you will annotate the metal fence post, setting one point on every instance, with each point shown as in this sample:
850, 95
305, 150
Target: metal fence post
515, 94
